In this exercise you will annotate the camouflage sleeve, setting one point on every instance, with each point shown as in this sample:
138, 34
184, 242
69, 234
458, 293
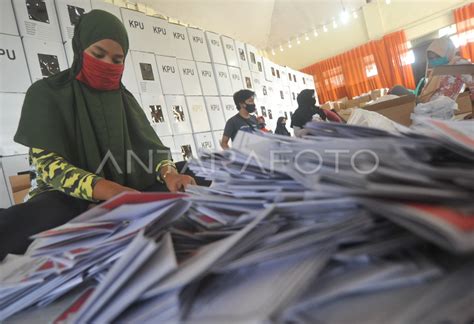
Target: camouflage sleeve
60, 175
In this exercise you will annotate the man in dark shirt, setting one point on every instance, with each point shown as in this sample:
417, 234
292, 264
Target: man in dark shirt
245, 103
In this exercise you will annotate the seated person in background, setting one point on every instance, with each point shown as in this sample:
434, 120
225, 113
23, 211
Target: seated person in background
281, 127
262, 125
307, 111
85, 132
443, 52
245, 103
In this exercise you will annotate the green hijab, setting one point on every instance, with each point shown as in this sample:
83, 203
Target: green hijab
86, 126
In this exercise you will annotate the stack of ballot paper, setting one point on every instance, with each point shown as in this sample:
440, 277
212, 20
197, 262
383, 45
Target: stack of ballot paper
291, 230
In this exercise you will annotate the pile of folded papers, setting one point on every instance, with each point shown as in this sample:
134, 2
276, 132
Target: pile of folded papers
346, 224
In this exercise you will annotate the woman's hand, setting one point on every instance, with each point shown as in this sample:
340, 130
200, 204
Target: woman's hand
177, 182
105, 189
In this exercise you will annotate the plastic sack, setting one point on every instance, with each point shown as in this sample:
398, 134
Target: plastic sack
366, 118
441, 108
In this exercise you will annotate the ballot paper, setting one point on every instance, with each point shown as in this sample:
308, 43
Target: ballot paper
382, 219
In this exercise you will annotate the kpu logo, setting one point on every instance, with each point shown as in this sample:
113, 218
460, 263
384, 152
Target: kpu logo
229, 47
235, 77
179, 36
206, 73
136, 24
168, 69
215, 107
11, 56
223, 75
188, 71
215, 43
159, 30
198, 39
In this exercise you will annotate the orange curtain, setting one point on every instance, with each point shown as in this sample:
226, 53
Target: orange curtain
396, 46
371, 66
465, 30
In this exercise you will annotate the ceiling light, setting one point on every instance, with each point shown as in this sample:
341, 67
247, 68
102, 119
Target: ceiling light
345, 17
325, 29
315, 33
273, 52
334, 24
281, 48
388, 1
355, 15
289, 44
298, 40
306, 37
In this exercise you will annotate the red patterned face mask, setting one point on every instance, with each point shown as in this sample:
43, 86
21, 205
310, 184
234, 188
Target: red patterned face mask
100, 75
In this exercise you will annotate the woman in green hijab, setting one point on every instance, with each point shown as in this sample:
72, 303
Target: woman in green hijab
89, 139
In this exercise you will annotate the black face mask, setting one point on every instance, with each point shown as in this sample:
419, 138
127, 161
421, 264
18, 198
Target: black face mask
261, 125
250, 108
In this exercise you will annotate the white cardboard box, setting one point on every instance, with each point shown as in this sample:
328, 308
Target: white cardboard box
198, 114
229, 107
161, 37
267, 69
215, 48
44, 58
215, 112
178, 114
189, 77
146, 73
180, 41
69, 12
7, 19
236, 79
139, 30
204, 141
252, 57
247, 79
198, 45
129, 79
242, 55
257, 81
10, 112
37, 19
217, 139
223, 80
169, 75
105, 6
14, 76
156, 112
207, 79
185, 144
168, 141
230, 51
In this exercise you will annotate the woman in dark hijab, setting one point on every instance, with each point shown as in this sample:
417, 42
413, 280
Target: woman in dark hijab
89, 139
307, 109
281, 127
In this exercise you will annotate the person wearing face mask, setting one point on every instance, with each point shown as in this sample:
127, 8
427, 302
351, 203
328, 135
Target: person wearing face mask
89, 139
307, 111
244, 120
281, 127
262, 125
443, 52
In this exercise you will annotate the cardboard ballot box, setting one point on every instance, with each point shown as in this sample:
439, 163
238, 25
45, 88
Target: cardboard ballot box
358, 102
464, 104
399, 109
20, 187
